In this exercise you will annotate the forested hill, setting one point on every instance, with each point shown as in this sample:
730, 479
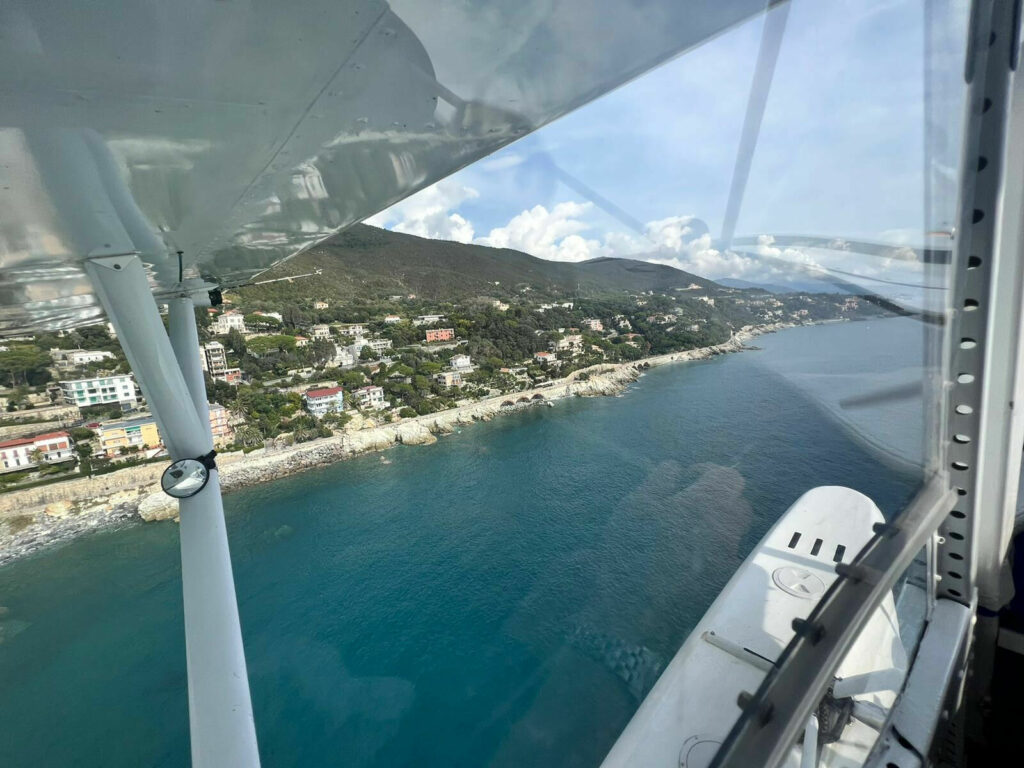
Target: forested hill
366, 262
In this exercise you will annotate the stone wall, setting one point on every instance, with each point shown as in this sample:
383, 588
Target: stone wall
11, 431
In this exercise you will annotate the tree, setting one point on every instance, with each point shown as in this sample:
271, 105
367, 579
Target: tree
95, 337
367, 353
24, 364
428, 368
293, 316
248, 436
80, 434
262, 345
351, 379
262, 322
236, 342
320, 352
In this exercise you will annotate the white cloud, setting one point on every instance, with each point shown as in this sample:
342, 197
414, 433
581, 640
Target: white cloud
429, 213
561, 234
553, 235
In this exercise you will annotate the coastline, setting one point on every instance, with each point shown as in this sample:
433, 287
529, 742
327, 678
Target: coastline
38, 518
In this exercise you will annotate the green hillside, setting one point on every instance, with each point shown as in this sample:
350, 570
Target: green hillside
366, 262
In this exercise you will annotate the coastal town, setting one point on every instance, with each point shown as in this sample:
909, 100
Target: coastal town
281, 375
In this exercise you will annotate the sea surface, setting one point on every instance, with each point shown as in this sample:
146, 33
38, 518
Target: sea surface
504, 597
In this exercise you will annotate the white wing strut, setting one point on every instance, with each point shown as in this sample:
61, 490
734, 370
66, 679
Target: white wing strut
220, 709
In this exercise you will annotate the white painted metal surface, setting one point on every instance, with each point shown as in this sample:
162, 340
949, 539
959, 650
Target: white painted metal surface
694, 703
220, 711
1001, 435
244, 132
940, 658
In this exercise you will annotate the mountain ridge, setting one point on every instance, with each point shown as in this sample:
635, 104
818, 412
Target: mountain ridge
367, 262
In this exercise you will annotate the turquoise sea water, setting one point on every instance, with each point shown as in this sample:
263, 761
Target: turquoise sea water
504, 597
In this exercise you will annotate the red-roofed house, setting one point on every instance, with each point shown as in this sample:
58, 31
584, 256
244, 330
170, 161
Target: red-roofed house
29, 452
327, 400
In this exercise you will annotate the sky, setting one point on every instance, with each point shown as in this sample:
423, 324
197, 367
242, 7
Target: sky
644, 172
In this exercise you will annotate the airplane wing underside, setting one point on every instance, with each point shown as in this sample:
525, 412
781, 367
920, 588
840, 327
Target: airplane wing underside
243, 132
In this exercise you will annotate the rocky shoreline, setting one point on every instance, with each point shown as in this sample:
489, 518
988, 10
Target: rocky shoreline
36, 518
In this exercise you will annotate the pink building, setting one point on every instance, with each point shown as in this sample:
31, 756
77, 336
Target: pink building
219, 426
441, 334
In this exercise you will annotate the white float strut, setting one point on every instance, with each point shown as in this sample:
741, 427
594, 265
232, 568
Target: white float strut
220, 709
809, 751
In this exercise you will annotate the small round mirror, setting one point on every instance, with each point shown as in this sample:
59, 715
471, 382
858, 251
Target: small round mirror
185, 478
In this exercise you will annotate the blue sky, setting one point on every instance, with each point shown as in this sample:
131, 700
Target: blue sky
841, 152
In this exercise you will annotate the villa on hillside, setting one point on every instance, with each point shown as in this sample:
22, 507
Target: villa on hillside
461, 363
64, 359
229, 321
370, 397
428, 319
29, 452
570, 343
440, 334
323, 401
449, 378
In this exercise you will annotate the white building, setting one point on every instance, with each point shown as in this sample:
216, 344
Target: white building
370, 397
73, 358
214, 360
570, 343
461, 363
449, 378
229, 321
428, 319
320, 331
392, 319
342, 356
544, 357
593, 324
99, 390
29, 452
327, 400
377, 345
353, 329
320, 305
